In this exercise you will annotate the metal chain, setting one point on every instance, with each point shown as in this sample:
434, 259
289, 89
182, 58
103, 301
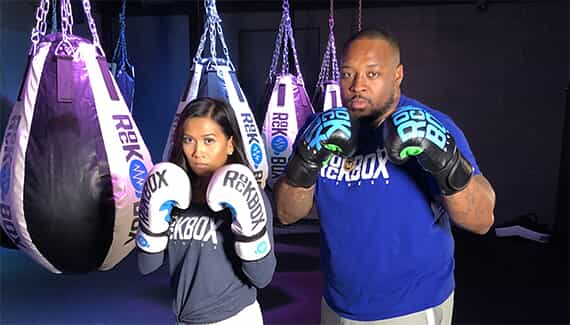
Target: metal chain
66, 19
329, 67
41, 26
285, 54
120, 51
92, 26
276, 51
213, 27
54, 17
64, 47
359, 26
283, 39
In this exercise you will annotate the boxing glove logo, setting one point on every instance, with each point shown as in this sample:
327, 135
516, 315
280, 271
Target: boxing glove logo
411, 122
247, 188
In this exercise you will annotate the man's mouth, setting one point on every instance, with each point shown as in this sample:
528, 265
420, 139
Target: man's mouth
358, 103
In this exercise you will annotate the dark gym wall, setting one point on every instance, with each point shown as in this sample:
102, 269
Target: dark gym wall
500, 73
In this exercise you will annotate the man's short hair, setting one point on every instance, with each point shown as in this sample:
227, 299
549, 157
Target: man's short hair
373, 33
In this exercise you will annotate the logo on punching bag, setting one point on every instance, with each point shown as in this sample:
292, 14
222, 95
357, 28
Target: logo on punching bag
137, 174
256, 154
279, 144
9, 145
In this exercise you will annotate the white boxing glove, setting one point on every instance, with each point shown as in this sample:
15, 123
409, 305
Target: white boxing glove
166, 186
234, 187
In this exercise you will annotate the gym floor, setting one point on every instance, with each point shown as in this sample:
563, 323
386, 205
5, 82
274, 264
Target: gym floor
499, 281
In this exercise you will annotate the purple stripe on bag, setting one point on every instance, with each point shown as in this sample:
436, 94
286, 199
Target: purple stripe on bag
107, 77
281, 95
333, 98
64, 79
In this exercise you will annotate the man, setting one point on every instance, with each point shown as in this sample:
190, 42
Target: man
385, 211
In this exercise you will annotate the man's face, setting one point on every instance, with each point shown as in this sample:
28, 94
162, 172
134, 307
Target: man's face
370, 79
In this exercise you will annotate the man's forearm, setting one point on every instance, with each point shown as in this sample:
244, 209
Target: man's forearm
293, 203
472, 208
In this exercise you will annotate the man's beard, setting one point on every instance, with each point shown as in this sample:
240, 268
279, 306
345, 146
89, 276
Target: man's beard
373, 118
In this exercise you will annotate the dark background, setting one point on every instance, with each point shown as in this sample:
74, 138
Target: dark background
500, 69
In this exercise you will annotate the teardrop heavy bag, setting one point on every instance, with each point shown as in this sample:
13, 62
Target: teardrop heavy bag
73, 163
216, 78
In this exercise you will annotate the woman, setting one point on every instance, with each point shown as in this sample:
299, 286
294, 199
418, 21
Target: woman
214, 277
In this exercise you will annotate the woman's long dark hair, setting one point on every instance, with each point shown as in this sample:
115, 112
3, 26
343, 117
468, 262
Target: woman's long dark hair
219, 111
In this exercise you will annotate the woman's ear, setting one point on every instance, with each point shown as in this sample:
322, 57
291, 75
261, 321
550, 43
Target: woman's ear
230, 148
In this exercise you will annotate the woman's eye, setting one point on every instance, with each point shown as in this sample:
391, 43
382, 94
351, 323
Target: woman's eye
344, 75
209, 141
186, 140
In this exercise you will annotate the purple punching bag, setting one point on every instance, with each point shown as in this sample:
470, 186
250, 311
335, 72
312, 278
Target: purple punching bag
73, 160
327, 90
215, 77
288, 105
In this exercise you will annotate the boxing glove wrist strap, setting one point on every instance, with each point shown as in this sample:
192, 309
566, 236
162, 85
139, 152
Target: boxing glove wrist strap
151, 243
301, 173
455, 176
247, 239
152, 234
253, 250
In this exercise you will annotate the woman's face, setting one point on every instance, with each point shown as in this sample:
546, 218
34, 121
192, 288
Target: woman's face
205, 145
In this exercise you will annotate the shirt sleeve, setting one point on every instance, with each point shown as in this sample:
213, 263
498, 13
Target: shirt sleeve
260, 272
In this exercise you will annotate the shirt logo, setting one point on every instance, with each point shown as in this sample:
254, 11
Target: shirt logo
364, 167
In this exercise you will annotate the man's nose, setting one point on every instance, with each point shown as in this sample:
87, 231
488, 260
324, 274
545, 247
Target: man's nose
358, 84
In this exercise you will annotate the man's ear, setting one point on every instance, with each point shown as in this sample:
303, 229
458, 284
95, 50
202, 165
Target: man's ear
399, 74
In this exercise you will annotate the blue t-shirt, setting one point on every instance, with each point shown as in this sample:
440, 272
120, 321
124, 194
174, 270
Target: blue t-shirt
386, 245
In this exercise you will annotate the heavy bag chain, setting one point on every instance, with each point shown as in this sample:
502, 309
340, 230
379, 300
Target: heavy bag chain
41, 26
120, 52
64, 48
92, 27
285, 37
329, 67
212, 26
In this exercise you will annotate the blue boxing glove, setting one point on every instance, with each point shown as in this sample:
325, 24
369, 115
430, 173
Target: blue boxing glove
330, 132
165, 187
414, 132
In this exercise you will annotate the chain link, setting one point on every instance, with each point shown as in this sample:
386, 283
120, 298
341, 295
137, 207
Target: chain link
66, 19
359, 26
283, 40
64, 47
92, 26
213, 28
329, 67
41, 26
54, 17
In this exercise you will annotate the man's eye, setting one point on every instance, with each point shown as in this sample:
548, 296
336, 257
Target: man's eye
344, 75
373, 74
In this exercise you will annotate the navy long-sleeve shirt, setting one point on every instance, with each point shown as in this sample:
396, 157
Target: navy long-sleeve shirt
210, 282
